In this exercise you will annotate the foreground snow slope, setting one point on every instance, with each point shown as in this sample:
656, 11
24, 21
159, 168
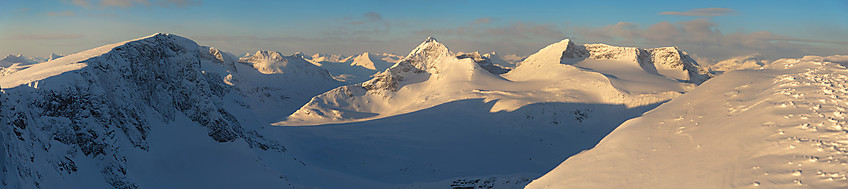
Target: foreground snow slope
562, 72
779, 127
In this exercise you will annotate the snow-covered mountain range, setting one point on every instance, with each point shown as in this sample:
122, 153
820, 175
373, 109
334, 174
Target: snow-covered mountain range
120, 115
164, 112
431, 75
354, 69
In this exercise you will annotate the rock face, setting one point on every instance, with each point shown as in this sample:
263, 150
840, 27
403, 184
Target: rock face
104, 104
420, 63
485, 61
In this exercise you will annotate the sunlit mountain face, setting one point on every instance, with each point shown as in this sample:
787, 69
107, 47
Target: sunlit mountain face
531, 94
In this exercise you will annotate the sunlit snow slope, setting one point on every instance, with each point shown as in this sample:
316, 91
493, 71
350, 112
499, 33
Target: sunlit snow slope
783, 126
562, 72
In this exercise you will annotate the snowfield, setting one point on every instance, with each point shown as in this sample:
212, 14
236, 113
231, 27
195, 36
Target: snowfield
782, 126
164, 112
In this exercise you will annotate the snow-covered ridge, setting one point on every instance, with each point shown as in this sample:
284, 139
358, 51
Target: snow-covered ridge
485, 61
354, 69
431, 75
88, 119
429, 64
782, 126
417, 66
666, 61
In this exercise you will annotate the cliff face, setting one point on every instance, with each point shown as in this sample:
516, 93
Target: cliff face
88, 118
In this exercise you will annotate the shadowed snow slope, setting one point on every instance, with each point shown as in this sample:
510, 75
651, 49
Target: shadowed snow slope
154, 112
562, 72
778, 127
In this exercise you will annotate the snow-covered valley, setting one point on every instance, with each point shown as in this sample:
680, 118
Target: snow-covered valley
164, 112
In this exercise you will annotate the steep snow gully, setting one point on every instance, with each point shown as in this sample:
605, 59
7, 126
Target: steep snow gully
164, 112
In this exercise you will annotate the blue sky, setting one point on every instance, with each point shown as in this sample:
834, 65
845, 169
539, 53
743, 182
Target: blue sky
711, 30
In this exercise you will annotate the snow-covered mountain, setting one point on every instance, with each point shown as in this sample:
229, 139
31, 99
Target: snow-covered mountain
319, 58
164, 112
485, 61
434, 120
752, 61
15, 59
777, 127
431, 75
667, 61
373, 61
54, 56
500, 61
354, 69
154, 112
14, 63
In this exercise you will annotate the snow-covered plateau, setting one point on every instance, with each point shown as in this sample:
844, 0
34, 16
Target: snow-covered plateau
164, 112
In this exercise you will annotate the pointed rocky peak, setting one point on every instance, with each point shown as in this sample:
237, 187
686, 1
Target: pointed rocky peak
363, 56
265, 55
54, 56
425, 55
364, 60
430, 39
555, 53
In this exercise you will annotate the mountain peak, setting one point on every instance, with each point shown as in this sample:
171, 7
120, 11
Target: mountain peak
430, 39
53, 56
423, 56
266, 55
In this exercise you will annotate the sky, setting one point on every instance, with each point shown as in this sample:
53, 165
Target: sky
707, 30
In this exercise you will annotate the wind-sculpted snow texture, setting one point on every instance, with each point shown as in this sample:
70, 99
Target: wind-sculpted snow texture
782, 126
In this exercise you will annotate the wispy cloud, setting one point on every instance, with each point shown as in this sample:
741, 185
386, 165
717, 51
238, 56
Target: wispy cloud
701, 36
517, 37
482, 21
373, 16
44, 36
63, 13
134, 3
518, 30
702, 12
